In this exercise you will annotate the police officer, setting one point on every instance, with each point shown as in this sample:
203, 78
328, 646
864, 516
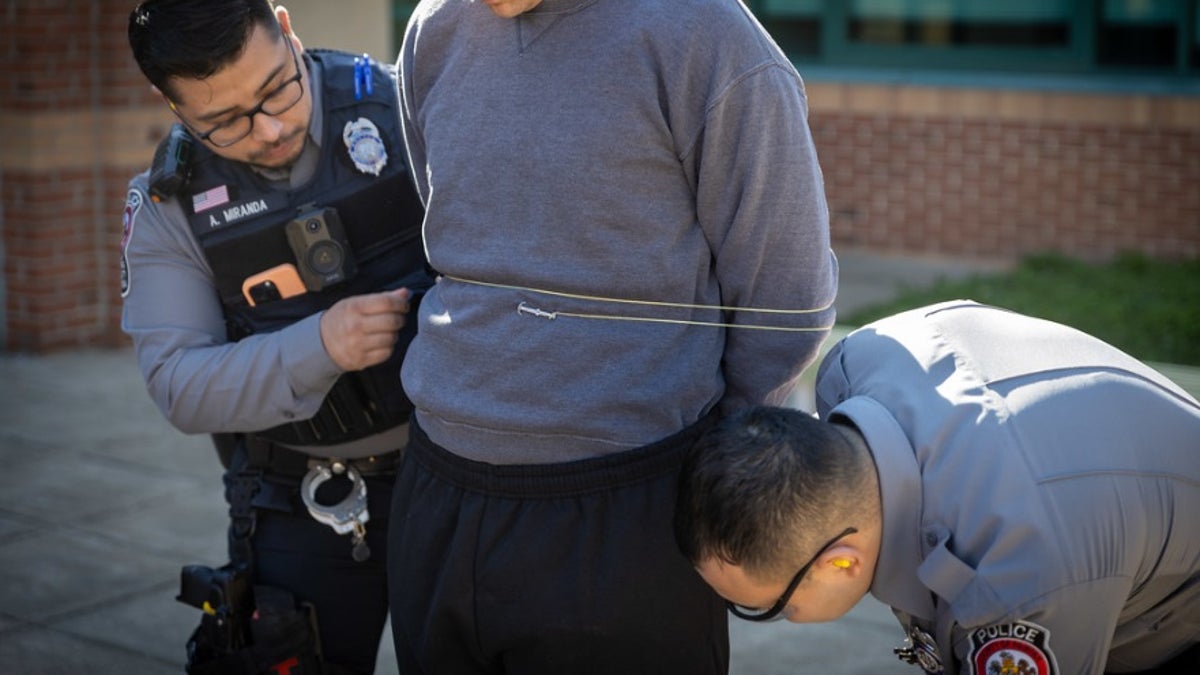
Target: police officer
1023, 495
270, 258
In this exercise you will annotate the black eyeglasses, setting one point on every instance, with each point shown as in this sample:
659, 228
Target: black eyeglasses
277, 102
768, 614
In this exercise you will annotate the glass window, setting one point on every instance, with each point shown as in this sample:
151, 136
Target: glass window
401, 10
1034, 36
1195, 60
795, 24
1028, 23
796, 7
1138, 33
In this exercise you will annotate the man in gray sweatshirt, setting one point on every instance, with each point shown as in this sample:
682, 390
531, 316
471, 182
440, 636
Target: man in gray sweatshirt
626, 210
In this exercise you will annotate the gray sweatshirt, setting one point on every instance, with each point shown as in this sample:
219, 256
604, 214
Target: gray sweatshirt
625, 204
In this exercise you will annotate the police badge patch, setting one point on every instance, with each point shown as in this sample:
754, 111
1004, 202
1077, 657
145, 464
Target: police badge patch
365, 145
133, 204
1020, 648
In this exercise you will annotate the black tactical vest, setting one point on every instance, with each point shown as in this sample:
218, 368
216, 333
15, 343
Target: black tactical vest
366, 239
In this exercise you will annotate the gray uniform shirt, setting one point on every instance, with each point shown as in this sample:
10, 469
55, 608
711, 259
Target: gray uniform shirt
599, 178
201, 382
1041, 489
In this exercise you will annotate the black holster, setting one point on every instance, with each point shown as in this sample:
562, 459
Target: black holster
248, 630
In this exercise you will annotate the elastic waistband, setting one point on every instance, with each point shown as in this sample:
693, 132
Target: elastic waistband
564, 479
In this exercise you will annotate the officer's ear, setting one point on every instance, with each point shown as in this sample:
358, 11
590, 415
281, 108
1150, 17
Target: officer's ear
285, 23
165, 99
284, 19
842, 562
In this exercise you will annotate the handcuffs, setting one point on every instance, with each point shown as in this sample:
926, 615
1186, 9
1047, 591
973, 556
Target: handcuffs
347, 516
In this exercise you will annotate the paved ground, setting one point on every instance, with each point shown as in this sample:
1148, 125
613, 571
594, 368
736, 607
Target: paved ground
101, 502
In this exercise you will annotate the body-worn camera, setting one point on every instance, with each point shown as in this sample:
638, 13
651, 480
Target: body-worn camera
323, 254
172, 163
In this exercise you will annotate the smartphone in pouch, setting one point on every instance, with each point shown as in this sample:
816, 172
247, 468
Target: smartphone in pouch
277, 283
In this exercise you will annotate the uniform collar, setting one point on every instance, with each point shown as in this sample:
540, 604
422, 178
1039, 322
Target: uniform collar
895, 582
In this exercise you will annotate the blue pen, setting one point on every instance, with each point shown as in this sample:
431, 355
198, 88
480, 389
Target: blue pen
357, 78
366, 70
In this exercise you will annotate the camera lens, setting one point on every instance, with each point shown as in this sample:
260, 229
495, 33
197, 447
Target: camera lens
313, 225
265, 292
325, 257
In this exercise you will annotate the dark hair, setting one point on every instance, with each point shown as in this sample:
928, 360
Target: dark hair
193, 38
765, 486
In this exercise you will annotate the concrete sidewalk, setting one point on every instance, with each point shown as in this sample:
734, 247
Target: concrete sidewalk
102, 502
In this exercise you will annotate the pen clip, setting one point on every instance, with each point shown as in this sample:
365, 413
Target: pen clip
357, 78
367, 74
362, 76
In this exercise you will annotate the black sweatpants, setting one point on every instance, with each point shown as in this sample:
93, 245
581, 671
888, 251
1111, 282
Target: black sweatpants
551, 568
1187, 663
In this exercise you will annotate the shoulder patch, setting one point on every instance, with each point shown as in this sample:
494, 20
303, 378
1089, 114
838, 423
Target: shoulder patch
1018, 648
133, 204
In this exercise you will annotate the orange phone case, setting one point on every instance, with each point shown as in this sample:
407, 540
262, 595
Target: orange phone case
284, 277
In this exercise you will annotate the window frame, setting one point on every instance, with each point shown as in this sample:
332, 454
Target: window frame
1080, 56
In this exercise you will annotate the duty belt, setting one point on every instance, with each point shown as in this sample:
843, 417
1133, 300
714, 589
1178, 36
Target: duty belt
348, 516
276, 458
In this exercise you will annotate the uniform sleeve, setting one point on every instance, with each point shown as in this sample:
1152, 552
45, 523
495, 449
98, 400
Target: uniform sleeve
1066, 632
832, 383
761, 202
201, 382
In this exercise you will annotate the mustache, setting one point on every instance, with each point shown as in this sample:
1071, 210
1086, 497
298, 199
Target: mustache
267, 149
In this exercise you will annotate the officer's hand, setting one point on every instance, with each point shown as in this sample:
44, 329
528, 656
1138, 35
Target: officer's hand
360, 331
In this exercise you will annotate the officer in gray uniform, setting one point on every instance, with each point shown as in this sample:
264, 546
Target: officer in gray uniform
1024, 496
270, 259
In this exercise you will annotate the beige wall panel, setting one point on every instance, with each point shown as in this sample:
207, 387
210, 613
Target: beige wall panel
350, 25
1134, 110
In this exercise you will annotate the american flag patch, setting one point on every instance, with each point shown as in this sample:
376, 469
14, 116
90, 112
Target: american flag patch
210, 199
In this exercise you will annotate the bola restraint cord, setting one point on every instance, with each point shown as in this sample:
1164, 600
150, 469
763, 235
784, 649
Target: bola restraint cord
527, 310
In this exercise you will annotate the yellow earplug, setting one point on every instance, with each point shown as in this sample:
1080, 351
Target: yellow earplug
841, 563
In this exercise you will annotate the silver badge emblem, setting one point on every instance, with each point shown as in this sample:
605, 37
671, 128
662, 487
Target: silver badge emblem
365, 145
920, 649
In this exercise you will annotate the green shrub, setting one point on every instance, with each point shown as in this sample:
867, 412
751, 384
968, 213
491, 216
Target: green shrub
1148, 308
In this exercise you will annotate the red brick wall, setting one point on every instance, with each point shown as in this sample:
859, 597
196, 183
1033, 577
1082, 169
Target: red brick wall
59, 292
67, 76
986, 188
68, 54
988, 173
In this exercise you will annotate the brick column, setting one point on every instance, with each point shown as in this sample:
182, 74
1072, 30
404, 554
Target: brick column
78, 120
